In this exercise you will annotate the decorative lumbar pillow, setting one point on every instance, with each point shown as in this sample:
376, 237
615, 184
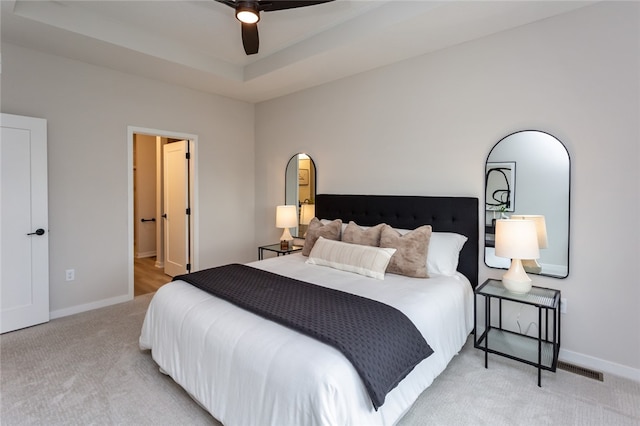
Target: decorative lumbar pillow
361, 259
410, 258
330, 231
364, 236
444, 252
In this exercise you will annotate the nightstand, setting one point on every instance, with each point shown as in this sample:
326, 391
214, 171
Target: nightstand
276, 249
542, 351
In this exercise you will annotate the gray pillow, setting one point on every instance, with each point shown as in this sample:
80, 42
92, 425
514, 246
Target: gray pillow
354, 234
410, 258
330, 231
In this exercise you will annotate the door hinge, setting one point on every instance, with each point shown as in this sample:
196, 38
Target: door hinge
188, 267
188, 155
188, 211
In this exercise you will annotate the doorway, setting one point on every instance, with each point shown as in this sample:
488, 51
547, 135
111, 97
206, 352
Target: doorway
162, 203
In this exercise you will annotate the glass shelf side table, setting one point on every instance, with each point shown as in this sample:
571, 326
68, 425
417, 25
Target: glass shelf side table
276, 249
541, 351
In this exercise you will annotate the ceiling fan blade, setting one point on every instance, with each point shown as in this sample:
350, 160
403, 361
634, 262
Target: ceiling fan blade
229, 3
250, 39
269, 6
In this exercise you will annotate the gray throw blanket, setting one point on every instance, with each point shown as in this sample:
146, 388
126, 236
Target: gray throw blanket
380, 341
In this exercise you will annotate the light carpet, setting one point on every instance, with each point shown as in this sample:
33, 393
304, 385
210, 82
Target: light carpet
87, 369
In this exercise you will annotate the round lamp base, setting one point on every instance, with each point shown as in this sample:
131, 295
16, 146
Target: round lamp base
520, 287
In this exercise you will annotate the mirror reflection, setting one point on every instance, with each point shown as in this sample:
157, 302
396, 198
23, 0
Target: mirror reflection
528, 173
300, 190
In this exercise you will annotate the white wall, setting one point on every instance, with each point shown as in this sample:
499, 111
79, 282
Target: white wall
89, 109
425, 126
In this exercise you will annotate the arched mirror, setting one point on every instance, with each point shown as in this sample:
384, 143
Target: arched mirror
300, 190
528, 173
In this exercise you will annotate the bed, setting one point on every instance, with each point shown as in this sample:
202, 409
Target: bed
246, 370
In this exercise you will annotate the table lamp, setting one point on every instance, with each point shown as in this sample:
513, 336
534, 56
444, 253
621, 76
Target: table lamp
516, 239
532, 265
286, 217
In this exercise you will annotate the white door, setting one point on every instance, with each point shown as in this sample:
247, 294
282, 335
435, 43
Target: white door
176, 208
24, 236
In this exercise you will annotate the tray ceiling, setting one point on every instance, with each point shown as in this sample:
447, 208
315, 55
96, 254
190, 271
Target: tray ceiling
198, 44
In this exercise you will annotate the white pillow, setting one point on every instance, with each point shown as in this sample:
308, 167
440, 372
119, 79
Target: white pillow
344, 225
364, 260
444, 251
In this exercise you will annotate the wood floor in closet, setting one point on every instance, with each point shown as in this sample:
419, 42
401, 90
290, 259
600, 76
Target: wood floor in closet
147, 278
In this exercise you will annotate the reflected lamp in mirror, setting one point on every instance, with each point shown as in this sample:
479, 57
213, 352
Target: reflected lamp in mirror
516, 240
307, 212
532, 265
286, 217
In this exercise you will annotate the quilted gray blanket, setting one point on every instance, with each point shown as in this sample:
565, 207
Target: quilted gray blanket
380, 341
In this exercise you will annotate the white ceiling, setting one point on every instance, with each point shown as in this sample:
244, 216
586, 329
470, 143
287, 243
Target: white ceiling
197, 43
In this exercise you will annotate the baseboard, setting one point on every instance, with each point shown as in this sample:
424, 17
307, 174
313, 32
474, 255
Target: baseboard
88, 307
600, 365
146, 254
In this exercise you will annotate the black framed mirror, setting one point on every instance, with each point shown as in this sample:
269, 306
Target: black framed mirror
300, 189
529, 173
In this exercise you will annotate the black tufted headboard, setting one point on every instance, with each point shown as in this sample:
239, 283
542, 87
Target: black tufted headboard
444, 214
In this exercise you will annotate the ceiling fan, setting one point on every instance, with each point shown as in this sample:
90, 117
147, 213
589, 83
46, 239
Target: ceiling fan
248, 13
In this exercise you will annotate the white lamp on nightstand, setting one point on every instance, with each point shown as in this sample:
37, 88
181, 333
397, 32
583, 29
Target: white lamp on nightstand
516, 239
532, 265
286, 217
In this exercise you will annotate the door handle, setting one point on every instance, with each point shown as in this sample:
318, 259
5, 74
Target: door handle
39, 231
164, 216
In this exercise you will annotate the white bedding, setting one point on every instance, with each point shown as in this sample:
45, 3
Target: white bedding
246, 370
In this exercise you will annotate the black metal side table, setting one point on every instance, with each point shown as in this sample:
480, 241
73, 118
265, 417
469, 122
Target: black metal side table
276, 249
542, 351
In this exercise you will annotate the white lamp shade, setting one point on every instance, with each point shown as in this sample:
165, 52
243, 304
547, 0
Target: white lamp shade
541, 227
307, 212
286, 216
516, 239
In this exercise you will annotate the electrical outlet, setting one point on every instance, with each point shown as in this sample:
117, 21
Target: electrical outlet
70, 274
563, 305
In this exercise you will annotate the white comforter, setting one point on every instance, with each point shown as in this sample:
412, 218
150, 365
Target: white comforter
246, 370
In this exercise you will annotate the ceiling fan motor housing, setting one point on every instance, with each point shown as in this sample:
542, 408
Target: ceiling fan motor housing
247, 12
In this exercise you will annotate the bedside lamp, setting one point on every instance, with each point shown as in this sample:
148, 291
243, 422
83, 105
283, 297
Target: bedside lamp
516, 239
286, 217
532, 265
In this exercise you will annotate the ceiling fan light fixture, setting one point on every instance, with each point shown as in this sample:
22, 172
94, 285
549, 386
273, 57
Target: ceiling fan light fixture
247, 13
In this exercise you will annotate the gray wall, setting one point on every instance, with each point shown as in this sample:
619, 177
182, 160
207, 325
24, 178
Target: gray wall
89, 109
425, 126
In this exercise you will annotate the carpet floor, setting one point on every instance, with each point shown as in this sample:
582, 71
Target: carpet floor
87, 369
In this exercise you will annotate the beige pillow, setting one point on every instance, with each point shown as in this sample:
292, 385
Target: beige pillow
354, 234
330, 231
410, 258
361, 259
